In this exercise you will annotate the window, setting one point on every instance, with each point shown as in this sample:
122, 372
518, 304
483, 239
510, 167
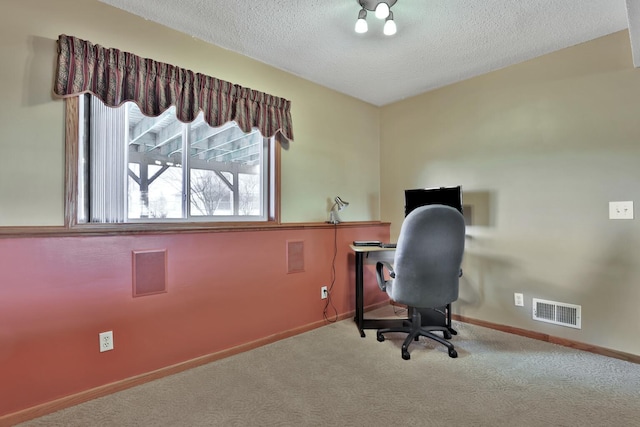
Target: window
151, 162
135, 168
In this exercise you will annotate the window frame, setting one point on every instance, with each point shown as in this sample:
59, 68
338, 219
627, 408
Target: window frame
72, 158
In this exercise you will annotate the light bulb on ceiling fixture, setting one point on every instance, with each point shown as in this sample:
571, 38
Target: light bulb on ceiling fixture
361, 23
389, 26
382, 10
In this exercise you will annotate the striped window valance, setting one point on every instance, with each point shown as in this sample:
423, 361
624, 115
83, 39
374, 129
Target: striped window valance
116, 77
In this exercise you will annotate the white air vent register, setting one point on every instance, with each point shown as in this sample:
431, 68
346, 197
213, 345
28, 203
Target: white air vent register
557, 313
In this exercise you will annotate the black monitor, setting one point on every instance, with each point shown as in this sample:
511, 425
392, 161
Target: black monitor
449, 196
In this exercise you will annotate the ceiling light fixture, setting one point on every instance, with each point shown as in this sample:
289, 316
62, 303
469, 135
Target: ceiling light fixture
382, 10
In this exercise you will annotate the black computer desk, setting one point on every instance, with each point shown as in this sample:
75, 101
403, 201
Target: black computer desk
373, 254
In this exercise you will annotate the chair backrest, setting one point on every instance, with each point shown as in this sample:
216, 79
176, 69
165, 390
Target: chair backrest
428, 257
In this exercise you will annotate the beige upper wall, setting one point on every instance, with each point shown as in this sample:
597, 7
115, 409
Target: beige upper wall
577, 100
336, 137
551, 141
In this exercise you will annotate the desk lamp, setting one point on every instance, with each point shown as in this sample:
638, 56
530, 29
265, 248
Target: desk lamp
337, 206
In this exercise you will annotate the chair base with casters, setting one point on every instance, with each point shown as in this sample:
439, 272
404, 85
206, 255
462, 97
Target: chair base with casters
414, 329
440, 316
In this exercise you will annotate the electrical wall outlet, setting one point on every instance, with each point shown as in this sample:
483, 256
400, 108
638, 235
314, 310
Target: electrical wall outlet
323, 292
621, 210
106, 341
518, 299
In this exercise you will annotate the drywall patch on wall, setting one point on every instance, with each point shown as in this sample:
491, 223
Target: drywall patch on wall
149, 272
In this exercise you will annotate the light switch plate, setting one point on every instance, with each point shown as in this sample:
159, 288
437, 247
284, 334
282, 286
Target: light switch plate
621, 210
518, 299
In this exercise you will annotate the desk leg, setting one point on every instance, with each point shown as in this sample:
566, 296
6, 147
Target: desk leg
359, 319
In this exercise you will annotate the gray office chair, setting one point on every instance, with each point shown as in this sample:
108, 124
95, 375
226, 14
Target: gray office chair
425, 273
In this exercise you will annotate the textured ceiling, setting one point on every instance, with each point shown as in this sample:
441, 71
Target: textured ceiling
438, 41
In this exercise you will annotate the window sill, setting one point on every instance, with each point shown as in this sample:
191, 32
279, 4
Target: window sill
133, 228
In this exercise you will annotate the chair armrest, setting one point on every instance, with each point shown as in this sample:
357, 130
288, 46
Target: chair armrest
380, 266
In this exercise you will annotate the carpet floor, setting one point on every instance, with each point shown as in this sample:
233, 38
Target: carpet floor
332, 377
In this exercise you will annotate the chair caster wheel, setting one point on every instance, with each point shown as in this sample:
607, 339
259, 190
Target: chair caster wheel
447, 335
453, 354
406, 355
380, 337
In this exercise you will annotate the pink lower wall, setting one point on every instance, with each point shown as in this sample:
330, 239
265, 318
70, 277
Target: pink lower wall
224, 289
